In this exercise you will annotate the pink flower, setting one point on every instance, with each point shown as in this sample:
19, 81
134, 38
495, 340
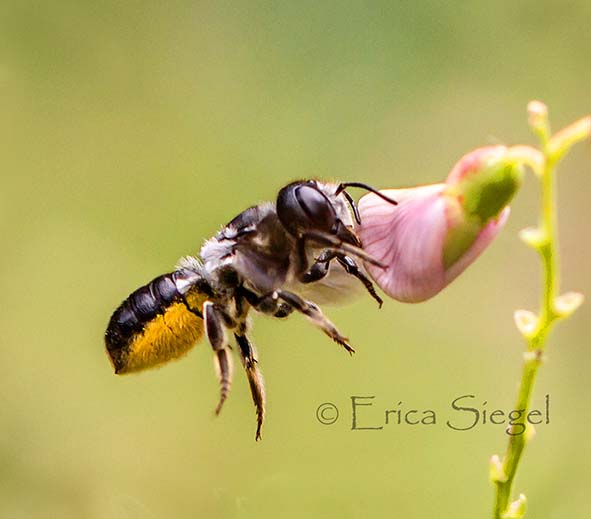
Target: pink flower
436, 231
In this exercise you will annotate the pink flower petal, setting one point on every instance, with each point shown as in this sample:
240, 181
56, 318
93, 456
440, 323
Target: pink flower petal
408, 238
435, 225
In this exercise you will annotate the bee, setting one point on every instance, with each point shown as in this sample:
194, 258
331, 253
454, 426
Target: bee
262, 260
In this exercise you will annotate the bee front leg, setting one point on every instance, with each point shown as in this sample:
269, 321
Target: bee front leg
351, 267
255, 378
319, 268
218, 338
336, 244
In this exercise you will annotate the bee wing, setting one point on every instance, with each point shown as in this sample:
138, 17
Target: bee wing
336, 288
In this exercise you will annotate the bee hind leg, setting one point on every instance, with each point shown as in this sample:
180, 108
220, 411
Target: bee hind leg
218, 338
255, 378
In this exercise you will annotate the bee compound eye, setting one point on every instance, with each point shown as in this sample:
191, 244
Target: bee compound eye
302, 206
316, 207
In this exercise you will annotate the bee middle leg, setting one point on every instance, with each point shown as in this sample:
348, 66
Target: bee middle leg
280, 303
215, 329
314, 314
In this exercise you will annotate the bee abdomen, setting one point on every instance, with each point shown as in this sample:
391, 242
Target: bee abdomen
153, 325
141, 307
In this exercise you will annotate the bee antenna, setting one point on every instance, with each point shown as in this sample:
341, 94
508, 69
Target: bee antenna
344, 185
352, 204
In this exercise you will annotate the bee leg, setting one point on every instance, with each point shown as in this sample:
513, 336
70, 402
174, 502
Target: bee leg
270, 304
335, 243
283, 310
352, 268
312, 312
319, 268
255, 379
218, 338
317, 271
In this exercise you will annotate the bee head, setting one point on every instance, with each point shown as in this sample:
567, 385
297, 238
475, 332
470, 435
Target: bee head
302, 206
307, 205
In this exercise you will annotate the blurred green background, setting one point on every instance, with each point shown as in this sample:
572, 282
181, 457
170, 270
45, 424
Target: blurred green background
131, 131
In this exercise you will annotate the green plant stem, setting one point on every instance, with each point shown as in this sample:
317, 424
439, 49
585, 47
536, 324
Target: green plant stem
537, 341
